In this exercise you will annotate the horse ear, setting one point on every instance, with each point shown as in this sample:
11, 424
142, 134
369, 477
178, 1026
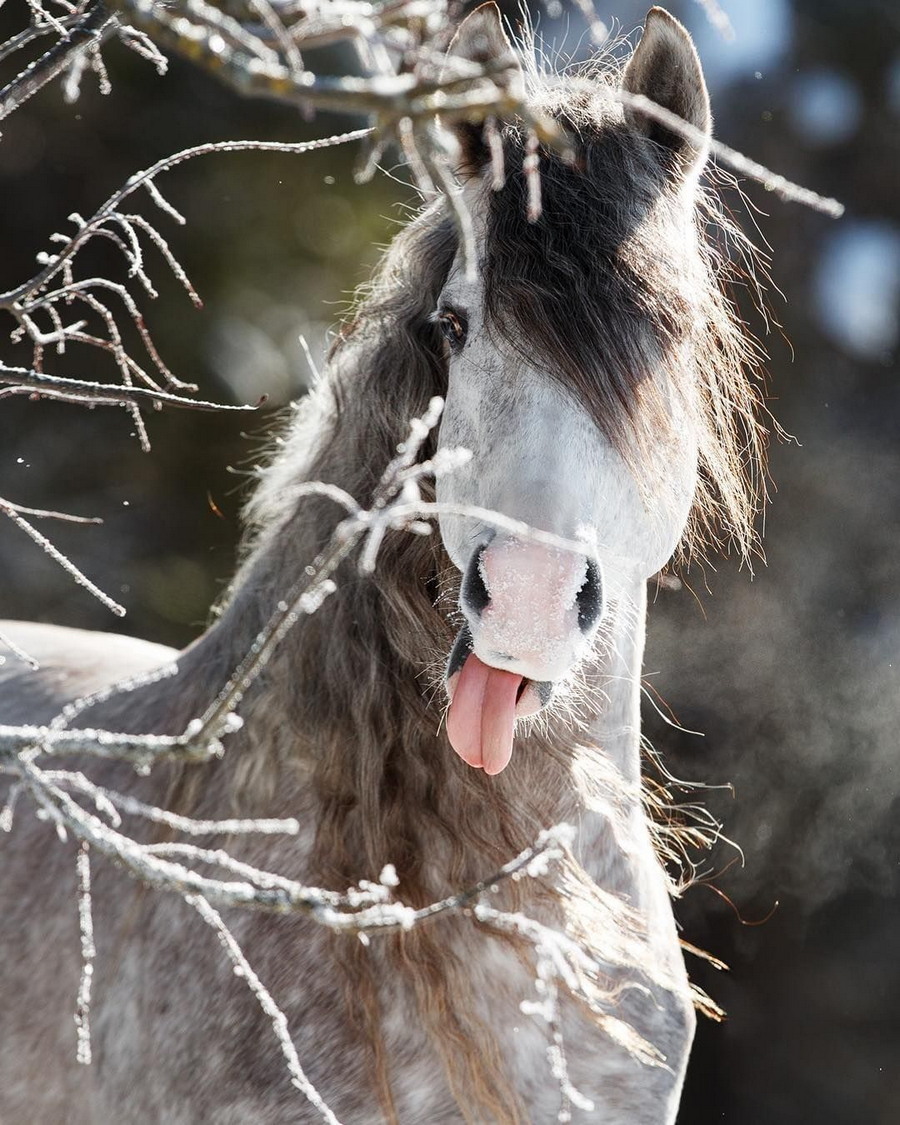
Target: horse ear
665, 69
480, 38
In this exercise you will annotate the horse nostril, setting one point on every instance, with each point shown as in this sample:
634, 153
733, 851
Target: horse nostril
589, 599
475, 597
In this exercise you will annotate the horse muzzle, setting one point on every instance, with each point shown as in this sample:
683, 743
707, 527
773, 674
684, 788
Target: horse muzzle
531, 611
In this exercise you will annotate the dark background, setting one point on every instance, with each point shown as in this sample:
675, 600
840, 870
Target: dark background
791, 673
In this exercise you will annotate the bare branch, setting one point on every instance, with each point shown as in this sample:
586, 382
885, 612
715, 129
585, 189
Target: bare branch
21, 380
142, 179
43, 514
58, 557
88, 952
770, 180
565, 961
18, 653
140, 749
112, 802
391, 96
36, 31
94, 29
268, 1005
365, 910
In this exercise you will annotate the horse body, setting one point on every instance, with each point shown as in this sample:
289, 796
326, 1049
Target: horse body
601, 434
175, 1038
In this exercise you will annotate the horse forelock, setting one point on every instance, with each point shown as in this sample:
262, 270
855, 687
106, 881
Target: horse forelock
623, 277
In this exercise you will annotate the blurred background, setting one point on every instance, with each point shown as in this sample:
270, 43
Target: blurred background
792, 673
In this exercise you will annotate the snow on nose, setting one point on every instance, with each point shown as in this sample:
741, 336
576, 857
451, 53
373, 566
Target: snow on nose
531, 606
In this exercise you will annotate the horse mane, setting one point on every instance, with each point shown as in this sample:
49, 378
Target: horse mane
594, 291
361, 678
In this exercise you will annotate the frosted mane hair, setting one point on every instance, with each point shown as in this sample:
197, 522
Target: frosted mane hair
608, 284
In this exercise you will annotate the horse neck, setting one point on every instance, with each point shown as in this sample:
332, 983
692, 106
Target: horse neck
611, 694
346, 719
615, 842
617, 726
340, 687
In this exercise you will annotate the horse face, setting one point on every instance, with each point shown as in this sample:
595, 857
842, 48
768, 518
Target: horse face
532, 609
540, 453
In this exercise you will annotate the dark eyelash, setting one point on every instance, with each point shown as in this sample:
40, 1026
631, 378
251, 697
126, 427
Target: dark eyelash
454, 326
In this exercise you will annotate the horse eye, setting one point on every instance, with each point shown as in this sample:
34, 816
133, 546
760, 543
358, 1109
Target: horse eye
454, 328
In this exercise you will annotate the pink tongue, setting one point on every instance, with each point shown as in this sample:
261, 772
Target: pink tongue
482, 715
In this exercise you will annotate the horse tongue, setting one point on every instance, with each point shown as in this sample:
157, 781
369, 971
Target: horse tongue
482, 714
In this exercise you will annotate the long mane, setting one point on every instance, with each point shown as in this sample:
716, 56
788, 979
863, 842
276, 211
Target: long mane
603, 287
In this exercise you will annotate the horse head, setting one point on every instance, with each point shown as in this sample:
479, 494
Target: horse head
569, 355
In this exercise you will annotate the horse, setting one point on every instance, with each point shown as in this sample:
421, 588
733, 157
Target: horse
481, 685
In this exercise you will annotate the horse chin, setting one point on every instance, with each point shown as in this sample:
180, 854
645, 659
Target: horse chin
486, 700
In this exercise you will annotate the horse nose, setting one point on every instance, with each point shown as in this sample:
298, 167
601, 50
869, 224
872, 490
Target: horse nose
577, 572
530, 605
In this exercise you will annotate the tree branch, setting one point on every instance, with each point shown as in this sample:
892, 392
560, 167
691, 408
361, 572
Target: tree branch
22, 380
91, 32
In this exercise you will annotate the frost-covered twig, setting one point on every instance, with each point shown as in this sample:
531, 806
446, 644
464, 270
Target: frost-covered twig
562, 960
365, 909
139, 749
58, 557
86, 229
546, 1007
408, 79
752, 169
278, 1019
533, 862
93, 28
111, 803
18, 652
45, 514
257, 49
24, 381
54, 289
317, 583
387, 94
88, 952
